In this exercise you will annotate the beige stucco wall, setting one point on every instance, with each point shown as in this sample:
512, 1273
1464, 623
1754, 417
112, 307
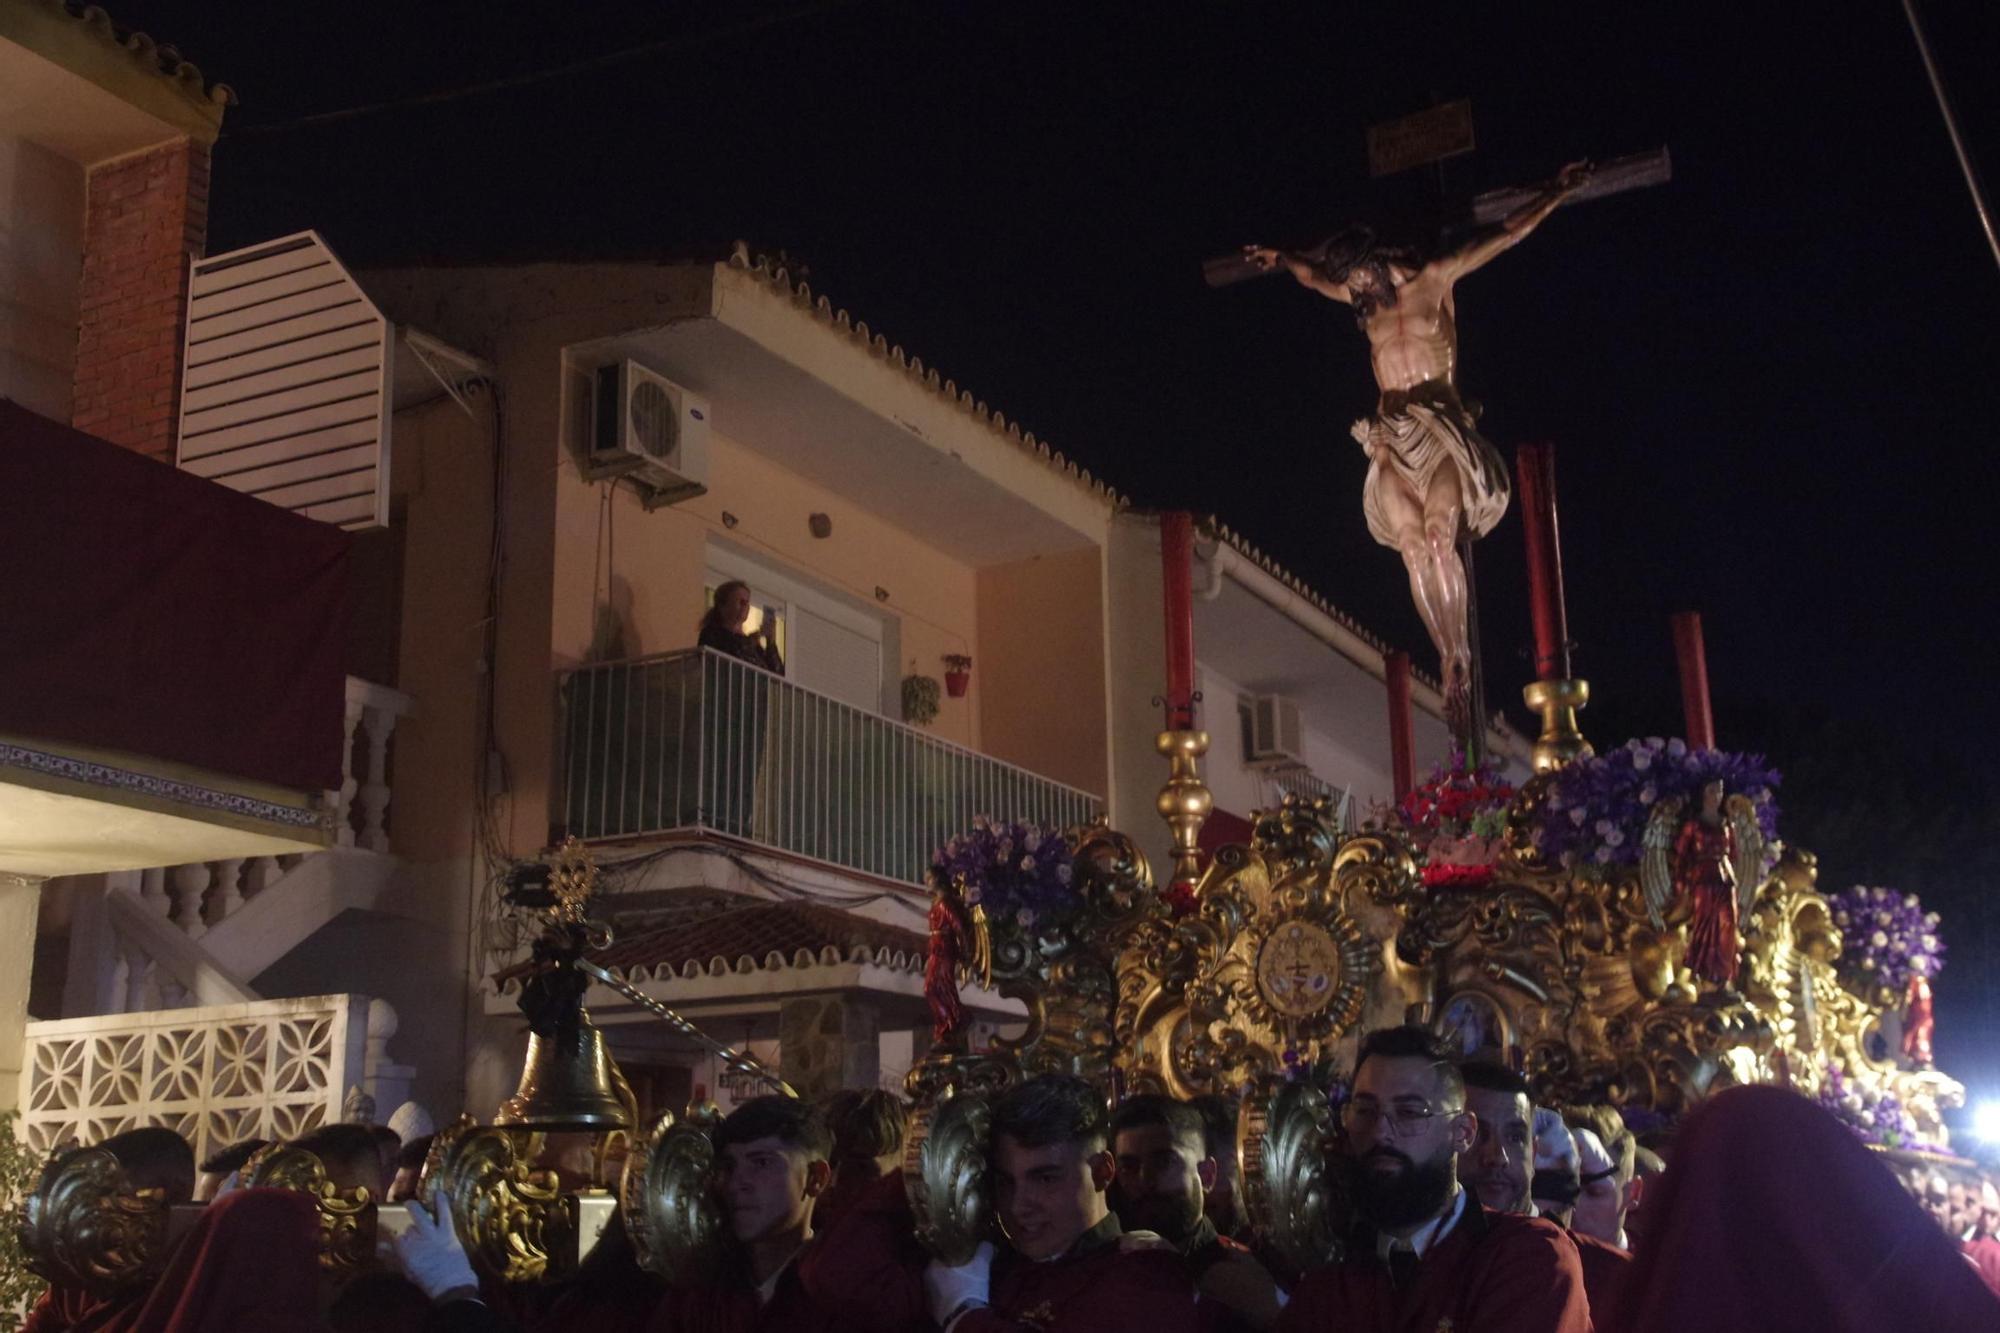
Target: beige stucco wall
1041, 628
657, 561
1137, 638
41, 259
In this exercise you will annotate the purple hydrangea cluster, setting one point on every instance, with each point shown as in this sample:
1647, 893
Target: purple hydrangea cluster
1597, 808
1021, 874
1886, 938
1878, 1118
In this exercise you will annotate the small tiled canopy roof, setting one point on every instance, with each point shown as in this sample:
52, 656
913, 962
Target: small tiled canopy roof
766, 937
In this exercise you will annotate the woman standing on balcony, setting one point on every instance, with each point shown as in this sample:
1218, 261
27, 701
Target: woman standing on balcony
722, 629
742, 706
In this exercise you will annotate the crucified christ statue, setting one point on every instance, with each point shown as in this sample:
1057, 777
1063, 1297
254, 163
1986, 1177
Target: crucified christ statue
1431, 475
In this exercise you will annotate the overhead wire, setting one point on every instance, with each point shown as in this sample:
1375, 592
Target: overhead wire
589, 64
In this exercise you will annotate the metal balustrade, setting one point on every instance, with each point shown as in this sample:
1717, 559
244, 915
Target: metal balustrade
696, 740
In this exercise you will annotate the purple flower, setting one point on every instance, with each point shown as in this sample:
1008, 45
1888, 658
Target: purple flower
1889, 938
1615, 793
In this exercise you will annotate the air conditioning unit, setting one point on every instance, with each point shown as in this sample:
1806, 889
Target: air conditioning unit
1276, 736
649, 428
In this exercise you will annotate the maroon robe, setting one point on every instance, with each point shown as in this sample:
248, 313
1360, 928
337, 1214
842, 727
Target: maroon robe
1227, 1278
1604, 1266
249, 1265
730, 1306
1984, 1253
1774, 1216
867, 1267
66, 1309
1092, 1289
1493, 1273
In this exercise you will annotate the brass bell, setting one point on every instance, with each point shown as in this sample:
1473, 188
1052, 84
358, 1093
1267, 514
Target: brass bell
567, 1092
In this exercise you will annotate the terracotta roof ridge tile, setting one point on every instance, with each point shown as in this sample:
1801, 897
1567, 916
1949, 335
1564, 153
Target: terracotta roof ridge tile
165, 60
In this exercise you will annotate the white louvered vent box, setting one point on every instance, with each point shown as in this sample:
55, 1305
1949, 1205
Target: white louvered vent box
286, 392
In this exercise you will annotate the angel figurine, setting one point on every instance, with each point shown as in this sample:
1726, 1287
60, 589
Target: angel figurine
1704, 867
1919, 1019
959, 939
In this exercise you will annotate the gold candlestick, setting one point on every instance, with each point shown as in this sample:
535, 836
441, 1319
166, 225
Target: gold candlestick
1184, 802
1558, 701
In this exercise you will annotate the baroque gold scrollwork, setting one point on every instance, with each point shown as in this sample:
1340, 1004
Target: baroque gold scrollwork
1285, 1143
1272, 965
346, 1217
513, 1219
668, 1198
945, 1175
84, 1225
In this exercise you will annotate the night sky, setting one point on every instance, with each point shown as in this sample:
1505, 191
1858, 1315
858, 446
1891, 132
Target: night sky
1767, 382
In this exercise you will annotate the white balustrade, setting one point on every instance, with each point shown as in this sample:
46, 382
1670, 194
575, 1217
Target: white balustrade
153, 890
191, 883
372, 711
228, 890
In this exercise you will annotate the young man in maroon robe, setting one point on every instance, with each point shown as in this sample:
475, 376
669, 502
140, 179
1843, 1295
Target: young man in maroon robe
1426, 1257
1063, 1269
772, 1157
868, 1128
1982, 1242
1164, 1173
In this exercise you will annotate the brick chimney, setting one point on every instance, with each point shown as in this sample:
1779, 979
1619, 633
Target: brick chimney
146, 217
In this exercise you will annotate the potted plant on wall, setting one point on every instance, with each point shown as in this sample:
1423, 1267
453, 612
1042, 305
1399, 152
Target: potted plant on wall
957, 674
920, 700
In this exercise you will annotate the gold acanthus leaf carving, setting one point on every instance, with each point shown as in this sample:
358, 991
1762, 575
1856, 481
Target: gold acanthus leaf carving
513, 1219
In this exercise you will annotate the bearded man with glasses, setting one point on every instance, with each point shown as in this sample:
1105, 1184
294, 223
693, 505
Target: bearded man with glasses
1425, 1255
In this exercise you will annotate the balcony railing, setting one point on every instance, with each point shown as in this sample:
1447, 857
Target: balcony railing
696, 740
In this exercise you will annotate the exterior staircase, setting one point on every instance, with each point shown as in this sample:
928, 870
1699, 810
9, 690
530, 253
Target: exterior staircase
161, 1021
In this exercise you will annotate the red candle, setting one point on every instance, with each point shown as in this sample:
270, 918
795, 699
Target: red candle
1693, 659
1536, 464
1177, 579
1402, 737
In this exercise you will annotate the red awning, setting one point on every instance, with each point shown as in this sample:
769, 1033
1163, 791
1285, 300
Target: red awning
149, 611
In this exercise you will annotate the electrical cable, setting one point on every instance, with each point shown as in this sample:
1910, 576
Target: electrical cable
681, 44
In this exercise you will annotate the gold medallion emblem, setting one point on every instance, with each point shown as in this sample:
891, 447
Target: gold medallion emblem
1298, 969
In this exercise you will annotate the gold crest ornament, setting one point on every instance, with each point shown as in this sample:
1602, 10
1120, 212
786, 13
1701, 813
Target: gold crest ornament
1271, 969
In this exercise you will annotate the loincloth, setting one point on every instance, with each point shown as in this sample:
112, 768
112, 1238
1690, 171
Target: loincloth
1413, 435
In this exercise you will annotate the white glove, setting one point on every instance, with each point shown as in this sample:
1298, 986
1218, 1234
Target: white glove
430, 1254
952, 1289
